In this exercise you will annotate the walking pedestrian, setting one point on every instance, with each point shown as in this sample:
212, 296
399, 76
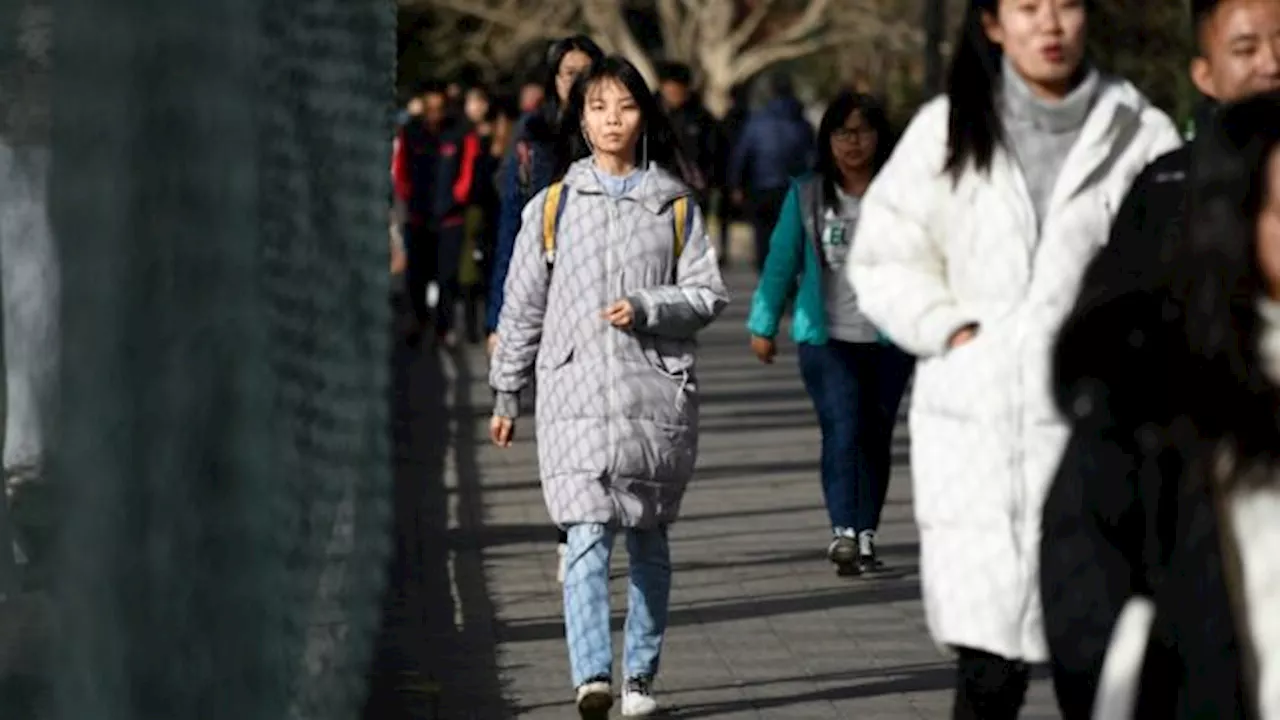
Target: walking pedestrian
612, 277
540, 149
971, 245
774, 148
415, 172
1113, 372
854, 377
697, 130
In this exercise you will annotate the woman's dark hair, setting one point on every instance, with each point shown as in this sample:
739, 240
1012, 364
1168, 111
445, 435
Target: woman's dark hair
551, 110
1216, 281
837, 114
660, 141
974, 130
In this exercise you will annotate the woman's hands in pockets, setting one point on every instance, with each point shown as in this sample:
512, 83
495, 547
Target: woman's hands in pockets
502, 430
764, 348
963, 336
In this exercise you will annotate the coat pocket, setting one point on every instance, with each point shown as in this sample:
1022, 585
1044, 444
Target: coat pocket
554, 357
967, 382
670, 357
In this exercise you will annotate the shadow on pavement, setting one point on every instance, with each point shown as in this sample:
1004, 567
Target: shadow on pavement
869, 592
923, 679
434, 658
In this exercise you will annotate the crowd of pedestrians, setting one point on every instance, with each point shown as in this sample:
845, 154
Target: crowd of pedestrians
1088, 301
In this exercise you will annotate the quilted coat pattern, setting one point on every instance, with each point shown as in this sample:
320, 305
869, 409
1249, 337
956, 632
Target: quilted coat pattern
931, 256
617, 411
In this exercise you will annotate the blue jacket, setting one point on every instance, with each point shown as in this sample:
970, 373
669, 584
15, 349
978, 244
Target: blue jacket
794, 263
528, 168
776, 145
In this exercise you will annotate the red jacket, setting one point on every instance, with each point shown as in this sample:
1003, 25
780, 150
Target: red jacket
434, 174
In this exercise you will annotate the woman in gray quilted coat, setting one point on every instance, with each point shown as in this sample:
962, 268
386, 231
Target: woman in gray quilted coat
611, 278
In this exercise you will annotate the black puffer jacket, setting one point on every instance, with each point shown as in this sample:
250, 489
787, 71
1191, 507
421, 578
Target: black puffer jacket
1122, 517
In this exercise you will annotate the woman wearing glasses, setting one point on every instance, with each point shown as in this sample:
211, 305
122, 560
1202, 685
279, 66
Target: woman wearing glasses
855, 379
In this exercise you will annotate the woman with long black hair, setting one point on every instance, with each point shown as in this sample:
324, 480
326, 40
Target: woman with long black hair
612, 278
972, 242
854, 377
1168, 496
541, 151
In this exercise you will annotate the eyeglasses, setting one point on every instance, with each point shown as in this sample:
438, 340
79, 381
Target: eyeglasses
847, 134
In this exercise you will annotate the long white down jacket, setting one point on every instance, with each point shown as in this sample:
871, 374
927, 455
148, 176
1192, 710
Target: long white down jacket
930, 257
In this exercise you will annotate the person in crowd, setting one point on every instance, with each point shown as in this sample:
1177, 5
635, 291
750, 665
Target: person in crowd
481, 213
617, 406
413, 170
412, 110
1236, 56
776, 146
433, 169
1119, 329
730, 207
1179, 511
505, 114
855, 379
970, 246
540, 148
533, 93
696, 129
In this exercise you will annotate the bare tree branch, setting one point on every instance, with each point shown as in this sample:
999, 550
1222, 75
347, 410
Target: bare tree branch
677, 31
750, 25
811, 22
548, 19
606, 19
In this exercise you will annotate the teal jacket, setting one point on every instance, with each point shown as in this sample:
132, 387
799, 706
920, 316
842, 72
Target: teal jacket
794, 258
793, 255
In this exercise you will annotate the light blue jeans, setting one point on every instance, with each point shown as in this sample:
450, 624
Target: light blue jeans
586, 601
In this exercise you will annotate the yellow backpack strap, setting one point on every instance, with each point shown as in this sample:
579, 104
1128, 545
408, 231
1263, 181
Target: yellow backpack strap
552, 207
682, 221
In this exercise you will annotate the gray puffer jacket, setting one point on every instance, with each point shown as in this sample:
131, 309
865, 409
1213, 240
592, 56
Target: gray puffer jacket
617, 411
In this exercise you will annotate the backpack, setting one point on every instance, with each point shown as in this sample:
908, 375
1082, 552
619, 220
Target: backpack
553, 208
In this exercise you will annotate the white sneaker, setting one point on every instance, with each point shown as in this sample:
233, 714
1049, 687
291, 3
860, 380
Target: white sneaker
637, 698
562, 551
595, 697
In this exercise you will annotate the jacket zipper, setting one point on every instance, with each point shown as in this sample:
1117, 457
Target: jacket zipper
611, 343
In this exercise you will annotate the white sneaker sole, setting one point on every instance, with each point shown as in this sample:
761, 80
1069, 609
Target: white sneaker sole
634, 706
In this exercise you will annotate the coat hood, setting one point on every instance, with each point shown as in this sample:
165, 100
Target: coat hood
658, 189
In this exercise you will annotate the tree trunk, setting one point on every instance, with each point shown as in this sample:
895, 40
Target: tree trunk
609, 26
716, 95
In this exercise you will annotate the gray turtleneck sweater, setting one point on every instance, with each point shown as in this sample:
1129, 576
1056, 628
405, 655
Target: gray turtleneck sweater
1040, 133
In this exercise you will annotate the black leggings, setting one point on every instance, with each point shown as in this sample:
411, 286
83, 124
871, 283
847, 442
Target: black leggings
989, 687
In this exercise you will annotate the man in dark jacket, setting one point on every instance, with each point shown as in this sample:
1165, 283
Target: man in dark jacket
1104, 539
700, 138
434, 169
776, 146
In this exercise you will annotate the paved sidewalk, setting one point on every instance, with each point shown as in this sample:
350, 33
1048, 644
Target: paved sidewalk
761, 626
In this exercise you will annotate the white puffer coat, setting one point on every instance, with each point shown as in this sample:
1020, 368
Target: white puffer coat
930, 257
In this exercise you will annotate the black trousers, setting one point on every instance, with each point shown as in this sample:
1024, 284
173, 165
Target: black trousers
449, 242
765, 207
989, 687
421, 260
